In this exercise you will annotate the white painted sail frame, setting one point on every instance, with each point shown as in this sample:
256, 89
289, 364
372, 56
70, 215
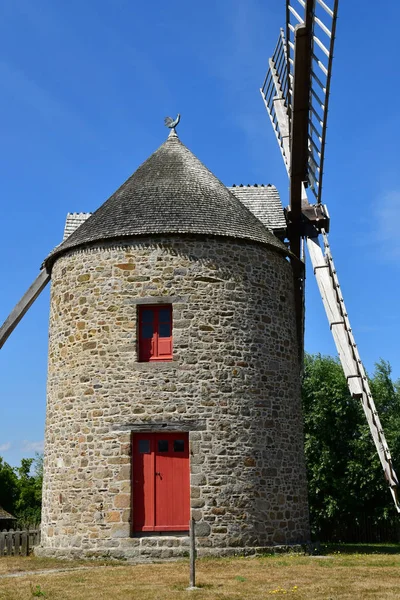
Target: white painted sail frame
278, 107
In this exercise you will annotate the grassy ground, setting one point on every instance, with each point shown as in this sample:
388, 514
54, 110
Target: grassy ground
340, 575
18, 564
360, 548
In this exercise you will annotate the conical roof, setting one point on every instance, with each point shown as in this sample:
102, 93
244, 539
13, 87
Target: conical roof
4, 515
172, 192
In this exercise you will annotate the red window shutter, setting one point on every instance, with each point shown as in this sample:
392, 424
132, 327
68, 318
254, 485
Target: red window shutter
147, 330
164, 332
165, 347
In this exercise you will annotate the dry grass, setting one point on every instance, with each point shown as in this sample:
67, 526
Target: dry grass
365, 577
17, 564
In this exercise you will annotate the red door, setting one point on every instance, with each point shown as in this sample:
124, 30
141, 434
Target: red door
161, 497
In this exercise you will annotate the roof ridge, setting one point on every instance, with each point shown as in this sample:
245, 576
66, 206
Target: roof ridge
254, 185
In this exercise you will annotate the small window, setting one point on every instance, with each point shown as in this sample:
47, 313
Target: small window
144, 446
163, 445
155, 333
179, 445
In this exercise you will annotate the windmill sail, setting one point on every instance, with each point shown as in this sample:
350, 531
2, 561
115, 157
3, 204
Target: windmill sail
328, 284
275, 92
23, 305
73, 221
315, 20
323, 16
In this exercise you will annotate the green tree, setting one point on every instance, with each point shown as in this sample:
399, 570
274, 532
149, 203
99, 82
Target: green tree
345, 476
29, 501
8, 486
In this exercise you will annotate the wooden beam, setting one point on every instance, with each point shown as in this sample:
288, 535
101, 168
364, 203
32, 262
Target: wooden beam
357, 380
301, 106
298, 270
300, 120
299, 160
23, 305
335, 318
298, 267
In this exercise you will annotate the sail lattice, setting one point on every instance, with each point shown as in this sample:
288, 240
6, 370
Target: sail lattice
323, 24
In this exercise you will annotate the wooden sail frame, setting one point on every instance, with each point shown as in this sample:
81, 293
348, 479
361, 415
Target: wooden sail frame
287, 111
21, 308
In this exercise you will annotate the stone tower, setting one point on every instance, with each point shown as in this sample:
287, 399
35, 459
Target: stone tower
173, 379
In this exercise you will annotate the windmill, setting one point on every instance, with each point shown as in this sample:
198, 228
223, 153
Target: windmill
296, 95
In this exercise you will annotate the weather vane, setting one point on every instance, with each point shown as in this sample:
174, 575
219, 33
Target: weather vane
172, 123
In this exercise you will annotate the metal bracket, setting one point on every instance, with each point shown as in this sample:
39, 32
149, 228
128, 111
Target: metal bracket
336, 323
314, 219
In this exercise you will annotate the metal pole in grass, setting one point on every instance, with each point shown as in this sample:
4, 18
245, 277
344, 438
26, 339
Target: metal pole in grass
192, 576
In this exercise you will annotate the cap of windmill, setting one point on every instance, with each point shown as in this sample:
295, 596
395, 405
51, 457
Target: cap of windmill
172, 192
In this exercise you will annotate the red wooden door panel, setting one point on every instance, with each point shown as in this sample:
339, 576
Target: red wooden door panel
143, 482
172, 482
160, 477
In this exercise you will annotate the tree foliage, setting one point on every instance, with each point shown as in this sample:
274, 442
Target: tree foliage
345, 477
21, 489
8, 486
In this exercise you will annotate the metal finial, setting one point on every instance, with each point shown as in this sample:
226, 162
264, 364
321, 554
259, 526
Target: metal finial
171, 123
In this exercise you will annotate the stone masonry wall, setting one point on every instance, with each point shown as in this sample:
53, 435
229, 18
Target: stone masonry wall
234, 383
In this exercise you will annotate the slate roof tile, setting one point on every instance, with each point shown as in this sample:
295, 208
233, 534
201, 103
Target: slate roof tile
265, 203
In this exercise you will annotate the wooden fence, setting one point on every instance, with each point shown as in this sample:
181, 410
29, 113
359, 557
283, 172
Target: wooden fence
18, 543
362, 529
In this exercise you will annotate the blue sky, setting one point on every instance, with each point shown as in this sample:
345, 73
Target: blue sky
84, 88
